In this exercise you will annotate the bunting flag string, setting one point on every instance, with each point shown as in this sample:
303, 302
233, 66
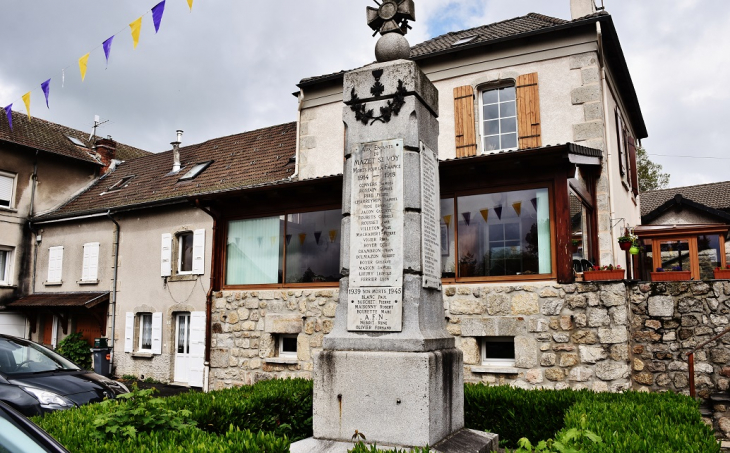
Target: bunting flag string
288, 239
534, 203
107, 48
485, 215
317, 235
26, 101
498, 211
46, 87
136, 27
517, 206
83, 62
447, 220
467, 217
333, 235
157, 11
302, 236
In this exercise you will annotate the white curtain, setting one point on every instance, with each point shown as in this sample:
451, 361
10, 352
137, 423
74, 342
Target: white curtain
544, 255
253, 251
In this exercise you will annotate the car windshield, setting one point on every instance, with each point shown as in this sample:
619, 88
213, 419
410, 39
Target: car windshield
19, 356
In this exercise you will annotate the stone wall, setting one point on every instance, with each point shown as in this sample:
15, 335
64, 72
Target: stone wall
670, 319
246, 326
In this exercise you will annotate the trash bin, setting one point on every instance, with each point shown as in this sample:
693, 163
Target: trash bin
101, 360
101, 342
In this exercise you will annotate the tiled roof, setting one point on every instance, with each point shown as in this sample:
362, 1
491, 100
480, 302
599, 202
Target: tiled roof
53, 138
571, 147
239, 161
506, 29
87, 300
714, 195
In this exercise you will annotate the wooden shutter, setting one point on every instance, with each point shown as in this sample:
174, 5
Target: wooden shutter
464, 125
166, 258
528, 111
129, 332
632, 163
196, 361
199, 252
620, 142
157, 333
6, 190
90, 270
55, 264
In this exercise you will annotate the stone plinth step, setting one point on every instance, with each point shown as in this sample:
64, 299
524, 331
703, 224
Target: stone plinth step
720, 398
463, 441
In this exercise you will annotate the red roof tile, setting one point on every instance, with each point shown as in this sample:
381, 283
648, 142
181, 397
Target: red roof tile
87, 300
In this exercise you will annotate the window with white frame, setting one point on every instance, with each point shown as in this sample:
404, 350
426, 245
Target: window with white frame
145, 332
287, 346
6, 256
55, 264
90, 268
185, 252
189, 250
7, 189
498, 351
498, 111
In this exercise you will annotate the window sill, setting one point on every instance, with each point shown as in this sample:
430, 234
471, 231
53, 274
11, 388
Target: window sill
280, 286
282, 360
183, 278
53, 283
7, 209
6, 286
88, 282
142, 355
493, 369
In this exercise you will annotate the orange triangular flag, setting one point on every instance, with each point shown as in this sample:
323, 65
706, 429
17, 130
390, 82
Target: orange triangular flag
136, 27
485, 215
301, 238
517, 205
333, 235
26, 100
190, 4
447, 220
83, 62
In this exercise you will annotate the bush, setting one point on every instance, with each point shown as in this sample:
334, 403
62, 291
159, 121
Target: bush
76, 349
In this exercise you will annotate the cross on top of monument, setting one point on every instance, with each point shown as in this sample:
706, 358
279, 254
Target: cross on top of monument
391, 16
390, 19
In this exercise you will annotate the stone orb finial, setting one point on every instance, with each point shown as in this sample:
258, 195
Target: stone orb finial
392, 46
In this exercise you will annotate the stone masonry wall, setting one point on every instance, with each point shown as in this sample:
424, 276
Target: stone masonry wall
565, 335
670, 319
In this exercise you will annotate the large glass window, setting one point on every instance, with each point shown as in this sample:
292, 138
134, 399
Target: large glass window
496, 234
675, 255
499, 119
290, 248
580, 232
708, 255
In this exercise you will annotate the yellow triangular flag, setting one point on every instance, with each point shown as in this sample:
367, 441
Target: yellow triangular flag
517, 205
136, 27
83, 62
26, 100
447, 220
190, 4
485, 215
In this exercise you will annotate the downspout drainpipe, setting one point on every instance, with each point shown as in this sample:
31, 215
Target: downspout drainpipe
604, 88
114, 289
31, 213
209, 296
299, 123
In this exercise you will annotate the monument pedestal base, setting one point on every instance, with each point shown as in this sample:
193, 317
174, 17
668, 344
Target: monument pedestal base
393, 398
463, 441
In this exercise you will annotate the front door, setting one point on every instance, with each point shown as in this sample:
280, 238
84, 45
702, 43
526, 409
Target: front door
182, 347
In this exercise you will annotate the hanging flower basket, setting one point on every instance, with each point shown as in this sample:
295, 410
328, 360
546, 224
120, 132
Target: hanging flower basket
722, 274
604, 273
671, 276
625, 245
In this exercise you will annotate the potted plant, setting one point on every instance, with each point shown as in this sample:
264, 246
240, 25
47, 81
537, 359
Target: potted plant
627, 240
602, 273
674, 274
722, 273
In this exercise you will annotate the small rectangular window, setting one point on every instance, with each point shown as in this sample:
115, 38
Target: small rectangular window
90, 266
7, 188
195, 171
498, 351
499, 119
55, 264
145, 331
121, 183
287, 346
185, 253
5, 260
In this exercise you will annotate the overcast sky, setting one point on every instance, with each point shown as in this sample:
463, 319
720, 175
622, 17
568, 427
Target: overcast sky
231, 65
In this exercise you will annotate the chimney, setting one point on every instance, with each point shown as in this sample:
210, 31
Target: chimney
106, 148
581, 8
176, 152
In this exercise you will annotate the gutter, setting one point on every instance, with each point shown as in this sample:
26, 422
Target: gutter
30, 222
209, 297
113, 301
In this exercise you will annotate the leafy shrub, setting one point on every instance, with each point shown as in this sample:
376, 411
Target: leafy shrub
76, 349
360, 447
136, 412
566, 441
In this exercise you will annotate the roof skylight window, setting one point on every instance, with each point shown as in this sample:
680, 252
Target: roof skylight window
76, 141
195, 171
464, 40
121, 183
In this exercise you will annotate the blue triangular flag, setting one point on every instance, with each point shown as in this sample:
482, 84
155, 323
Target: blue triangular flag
157, 14
9, 114
46, 87
108, 48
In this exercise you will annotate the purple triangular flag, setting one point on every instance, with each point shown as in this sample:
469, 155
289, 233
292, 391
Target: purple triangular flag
534, 203
9, 114
467, 217
498, 211
317, 235
46, 87
157, 14
288, 239
108, 48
